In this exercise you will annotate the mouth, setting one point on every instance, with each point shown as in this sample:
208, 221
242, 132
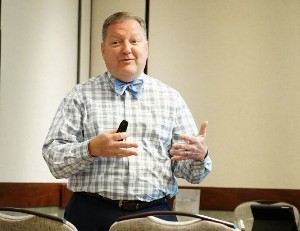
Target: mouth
127, 59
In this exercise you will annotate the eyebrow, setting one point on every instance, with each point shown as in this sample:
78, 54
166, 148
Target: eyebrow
117, 34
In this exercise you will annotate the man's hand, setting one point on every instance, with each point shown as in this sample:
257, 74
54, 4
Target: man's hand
195, 147
107, 144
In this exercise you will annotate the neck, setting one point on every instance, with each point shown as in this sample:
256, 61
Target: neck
126, 79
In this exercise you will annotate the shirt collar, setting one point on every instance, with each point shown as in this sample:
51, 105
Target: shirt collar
111, 79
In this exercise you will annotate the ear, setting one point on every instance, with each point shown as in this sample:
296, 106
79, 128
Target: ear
147, 48
102, 48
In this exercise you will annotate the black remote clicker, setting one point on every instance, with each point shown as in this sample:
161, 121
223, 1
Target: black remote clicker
123, 127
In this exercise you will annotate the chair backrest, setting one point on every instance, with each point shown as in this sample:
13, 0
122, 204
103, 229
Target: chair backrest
28, 220
243, 213
147, 221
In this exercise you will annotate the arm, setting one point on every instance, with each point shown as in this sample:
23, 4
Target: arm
70, 148
65, 150
188, 158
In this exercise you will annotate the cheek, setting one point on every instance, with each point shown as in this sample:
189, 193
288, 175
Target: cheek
142, 54
109, 56
145, 53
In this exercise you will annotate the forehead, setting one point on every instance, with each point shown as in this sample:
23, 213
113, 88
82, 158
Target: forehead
128, 26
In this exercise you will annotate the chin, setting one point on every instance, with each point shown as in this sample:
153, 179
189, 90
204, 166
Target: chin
129, 76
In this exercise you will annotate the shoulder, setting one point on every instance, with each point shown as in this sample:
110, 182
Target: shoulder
154, 84
92, 84
84, 90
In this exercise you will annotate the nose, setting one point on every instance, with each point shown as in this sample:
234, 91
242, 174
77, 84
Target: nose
126, 48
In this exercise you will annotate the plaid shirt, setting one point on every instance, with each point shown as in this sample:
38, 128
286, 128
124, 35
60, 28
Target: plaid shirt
94, 107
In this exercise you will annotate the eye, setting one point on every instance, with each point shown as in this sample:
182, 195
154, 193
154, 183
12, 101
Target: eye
135, 41
115, 42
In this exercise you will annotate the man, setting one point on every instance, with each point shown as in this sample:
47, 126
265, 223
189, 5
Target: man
115, 174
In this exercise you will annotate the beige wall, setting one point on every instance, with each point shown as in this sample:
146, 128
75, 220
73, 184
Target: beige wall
101, 9
237, 63
38, 67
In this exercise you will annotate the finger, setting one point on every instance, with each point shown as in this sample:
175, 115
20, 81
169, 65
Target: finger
180, 152
125, 144
180, 157
112, 131
203, 126
120, 136
180, 146
126, 152
126, 155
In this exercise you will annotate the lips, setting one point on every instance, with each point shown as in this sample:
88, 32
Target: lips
126, 60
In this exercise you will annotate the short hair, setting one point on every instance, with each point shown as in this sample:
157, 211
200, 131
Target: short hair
121, 17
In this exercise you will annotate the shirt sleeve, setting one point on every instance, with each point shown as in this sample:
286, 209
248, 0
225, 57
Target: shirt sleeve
193, 171
65, 150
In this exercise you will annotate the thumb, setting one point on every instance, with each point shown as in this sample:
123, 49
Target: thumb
203, 126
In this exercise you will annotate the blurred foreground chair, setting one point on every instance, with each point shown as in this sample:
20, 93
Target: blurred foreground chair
148, 222
243, 214
27, 220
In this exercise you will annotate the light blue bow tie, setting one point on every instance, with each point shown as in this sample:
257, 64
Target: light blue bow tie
135, 87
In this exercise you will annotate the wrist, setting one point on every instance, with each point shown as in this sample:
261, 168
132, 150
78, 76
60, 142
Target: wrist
90, 149
205, 155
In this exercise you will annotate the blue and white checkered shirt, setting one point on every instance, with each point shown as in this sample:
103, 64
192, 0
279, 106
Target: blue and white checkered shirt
94, 107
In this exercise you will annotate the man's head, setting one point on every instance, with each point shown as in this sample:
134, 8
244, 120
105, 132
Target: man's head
124, 45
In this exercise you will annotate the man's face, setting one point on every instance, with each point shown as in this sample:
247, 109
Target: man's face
125, 50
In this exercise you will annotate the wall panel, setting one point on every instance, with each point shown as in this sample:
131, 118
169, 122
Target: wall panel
39, 66
101, 9
212, 198
237, 65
